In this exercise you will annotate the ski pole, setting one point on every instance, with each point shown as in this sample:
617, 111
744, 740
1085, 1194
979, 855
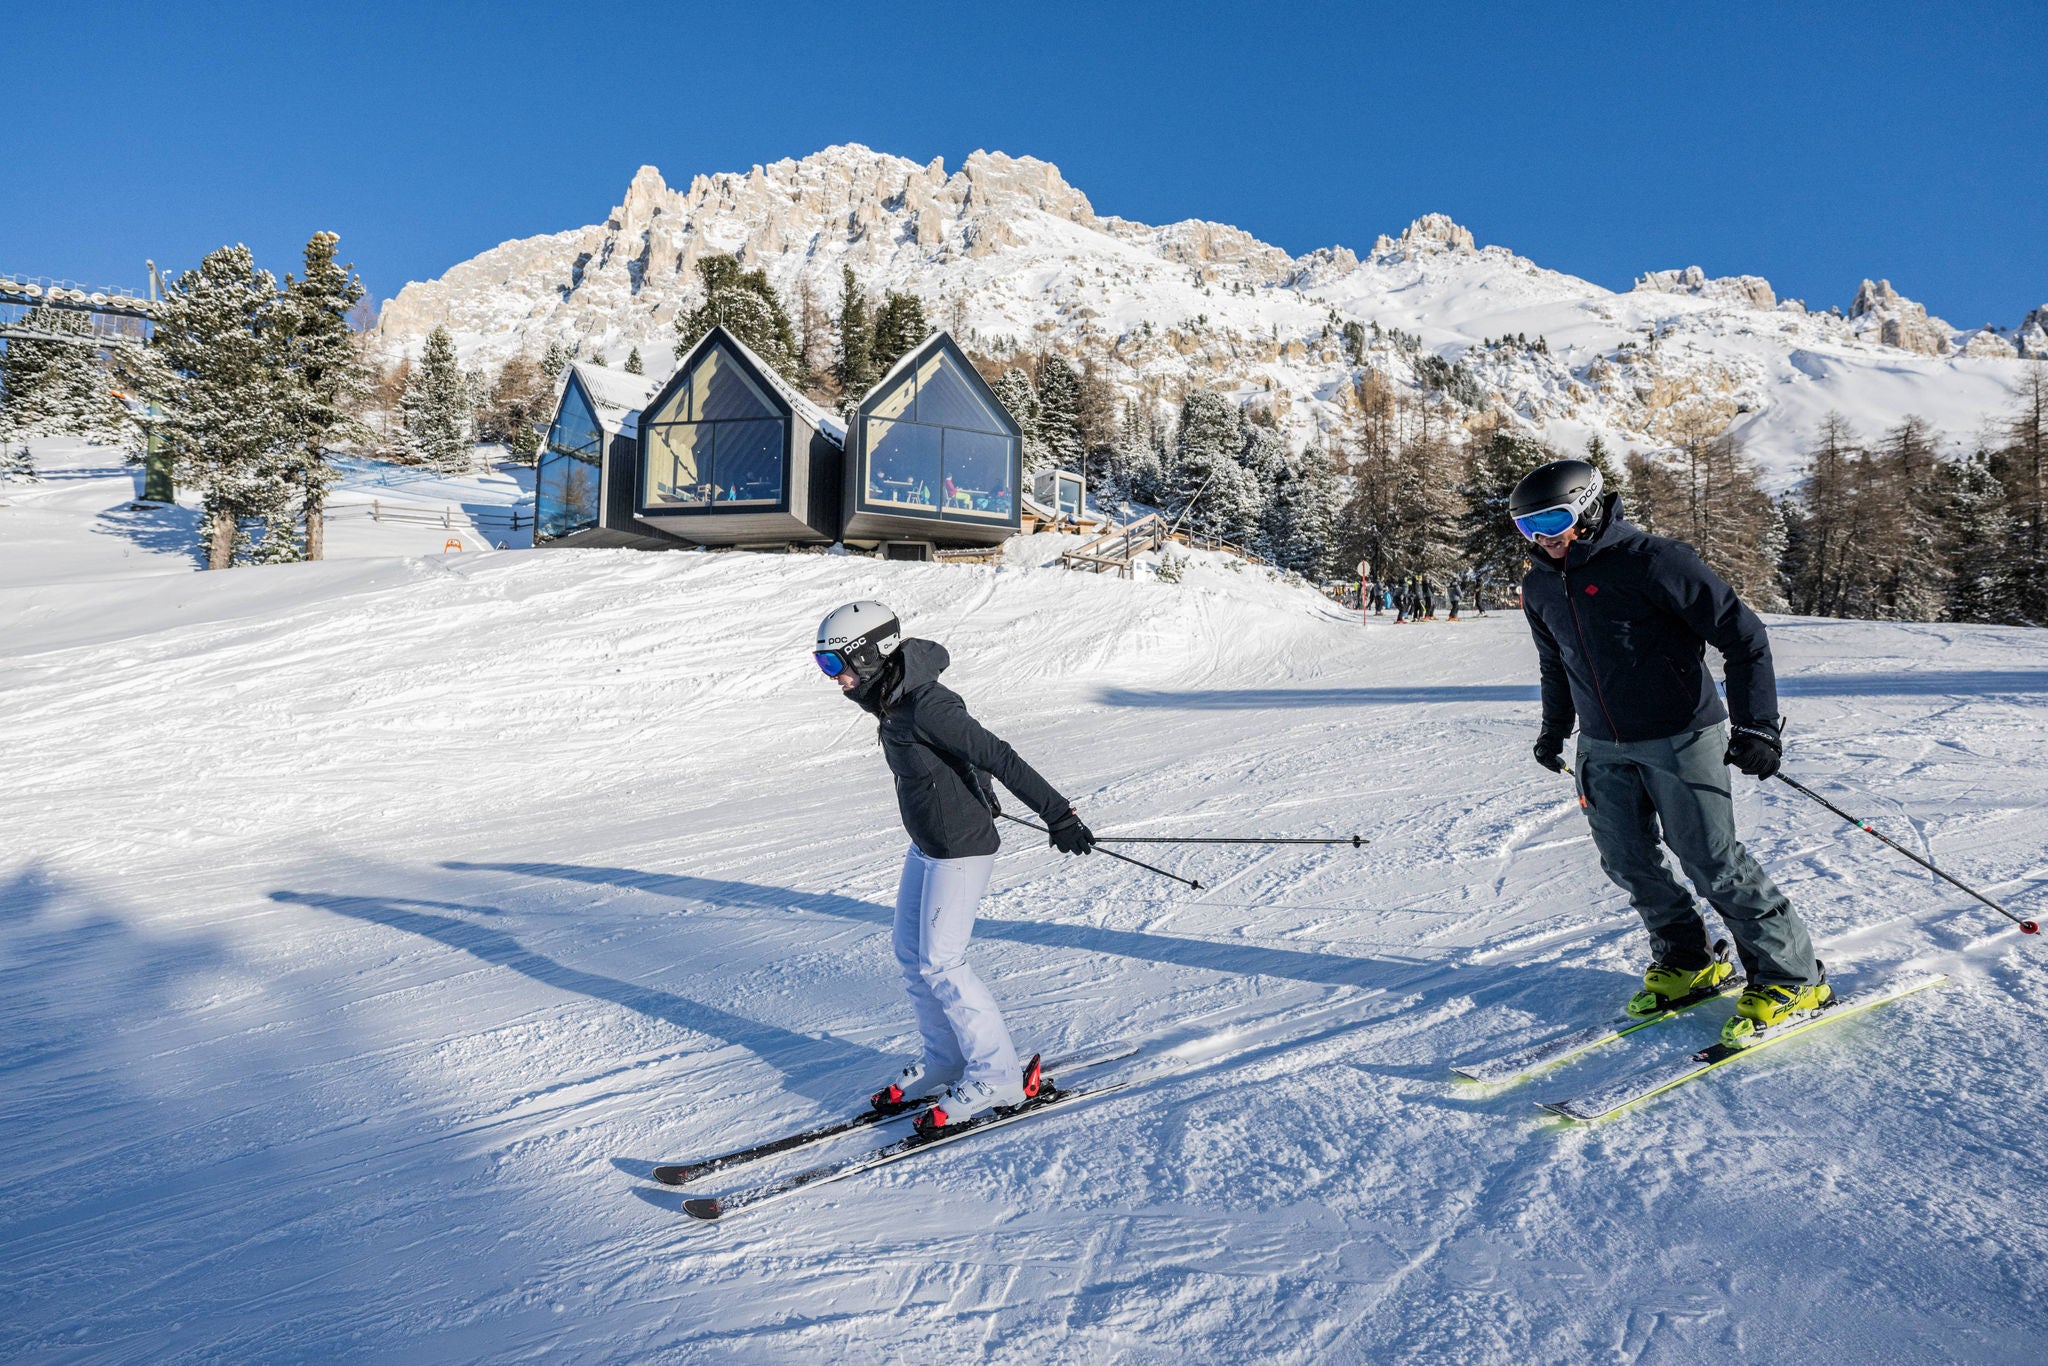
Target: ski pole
1112, 853
2026, 926
1355, 841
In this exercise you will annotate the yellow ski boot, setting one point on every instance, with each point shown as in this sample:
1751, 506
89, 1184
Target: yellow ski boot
1761, 1008
1675, 988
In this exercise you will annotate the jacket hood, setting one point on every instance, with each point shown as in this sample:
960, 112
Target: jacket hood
919, 662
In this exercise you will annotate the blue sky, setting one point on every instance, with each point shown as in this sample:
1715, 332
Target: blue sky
1813, 143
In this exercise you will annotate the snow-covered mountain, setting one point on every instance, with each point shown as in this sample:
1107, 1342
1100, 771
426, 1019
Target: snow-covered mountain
1008, 255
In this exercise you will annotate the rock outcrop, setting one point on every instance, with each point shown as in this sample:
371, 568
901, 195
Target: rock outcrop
1427, 235
2033, 335
1897, 321
1751, 291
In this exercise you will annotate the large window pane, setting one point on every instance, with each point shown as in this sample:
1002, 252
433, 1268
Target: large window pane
746, 462
903, 464
977, 478
720, 390
565, 495
677, 460
945, 398
575, 426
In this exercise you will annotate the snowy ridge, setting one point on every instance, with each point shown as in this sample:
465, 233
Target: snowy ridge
1006, 253
351, 995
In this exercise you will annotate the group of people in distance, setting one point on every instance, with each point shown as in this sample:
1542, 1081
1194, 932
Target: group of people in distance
1621, 620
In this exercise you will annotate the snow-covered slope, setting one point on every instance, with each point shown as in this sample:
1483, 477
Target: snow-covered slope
1009, 255
368, 928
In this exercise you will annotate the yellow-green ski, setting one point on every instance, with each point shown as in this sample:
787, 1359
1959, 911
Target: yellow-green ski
1654, 1081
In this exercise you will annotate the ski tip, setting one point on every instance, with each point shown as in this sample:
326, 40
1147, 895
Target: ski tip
705, 1208
1562, 1109
674, 1175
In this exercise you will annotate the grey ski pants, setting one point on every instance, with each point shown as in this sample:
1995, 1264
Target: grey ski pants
963, 1032
1638, 792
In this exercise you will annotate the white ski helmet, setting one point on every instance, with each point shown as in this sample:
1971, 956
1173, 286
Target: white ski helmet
858, 636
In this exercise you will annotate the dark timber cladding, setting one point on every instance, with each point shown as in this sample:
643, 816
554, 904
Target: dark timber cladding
933, 455
730, 454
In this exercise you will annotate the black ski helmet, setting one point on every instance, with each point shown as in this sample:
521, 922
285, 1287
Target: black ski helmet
1560, 487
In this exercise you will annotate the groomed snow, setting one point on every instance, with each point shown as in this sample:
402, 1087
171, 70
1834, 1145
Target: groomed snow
369, 928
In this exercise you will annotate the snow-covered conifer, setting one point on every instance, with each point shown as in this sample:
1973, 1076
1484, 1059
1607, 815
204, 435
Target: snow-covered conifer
744, 304
17, 465
326, 382
1059, 414
437, 414
1014, 391
214, 369
634, 365
553, 361
1208, 488
57, 388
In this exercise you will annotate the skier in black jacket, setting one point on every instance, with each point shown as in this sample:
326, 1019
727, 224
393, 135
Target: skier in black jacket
941, 758
1621, 620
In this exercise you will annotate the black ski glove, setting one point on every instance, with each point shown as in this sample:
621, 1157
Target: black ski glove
1756, 750
1069, 836
1549, 751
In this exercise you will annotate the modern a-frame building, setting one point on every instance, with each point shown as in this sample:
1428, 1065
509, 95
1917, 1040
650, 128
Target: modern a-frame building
933, 455
593, 435
725, 452
731, 454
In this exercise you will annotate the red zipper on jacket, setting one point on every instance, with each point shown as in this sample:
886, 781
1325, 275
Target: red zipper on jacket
1585, 650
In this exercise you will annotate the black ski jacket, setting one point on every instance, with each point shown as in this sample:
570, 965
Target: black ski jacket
1621, 632
940, 757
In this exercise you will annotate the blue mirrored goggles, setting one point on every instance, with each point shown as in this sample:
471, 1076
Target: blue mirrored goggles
831, 661
1549, 522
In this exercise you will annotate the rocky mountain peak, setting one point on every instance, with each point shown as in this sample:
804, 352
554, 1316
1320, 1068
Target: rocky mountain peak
1898, 321
1428, 235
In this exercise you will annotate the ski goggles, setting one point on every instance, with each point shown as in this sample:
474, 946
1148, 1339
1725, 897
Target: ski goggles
831, 661
1549, 522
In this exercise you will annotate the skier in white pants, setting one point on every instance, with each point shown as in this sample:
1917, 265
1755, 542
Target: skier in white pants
941, 758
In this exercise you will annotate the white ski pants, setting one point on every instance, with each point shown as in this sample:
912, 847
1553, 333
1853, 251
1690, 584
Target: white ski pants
963, 1032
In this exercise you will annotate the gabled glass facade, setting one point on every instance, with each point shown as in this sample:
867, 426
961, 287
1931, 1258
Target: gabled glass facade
571, 469
717, 444
934, 446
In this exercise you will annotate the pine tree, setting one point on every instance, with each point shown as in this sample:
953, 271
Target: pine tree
57, 388
1059, 415
1912, 481
553, 361
633, 363
856, 370
899, 327
1207, 489
1979, 533
1013, 390
437, 416
1300, 521
744, 304
18, 466
1495, 552
327, 382
213, 366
